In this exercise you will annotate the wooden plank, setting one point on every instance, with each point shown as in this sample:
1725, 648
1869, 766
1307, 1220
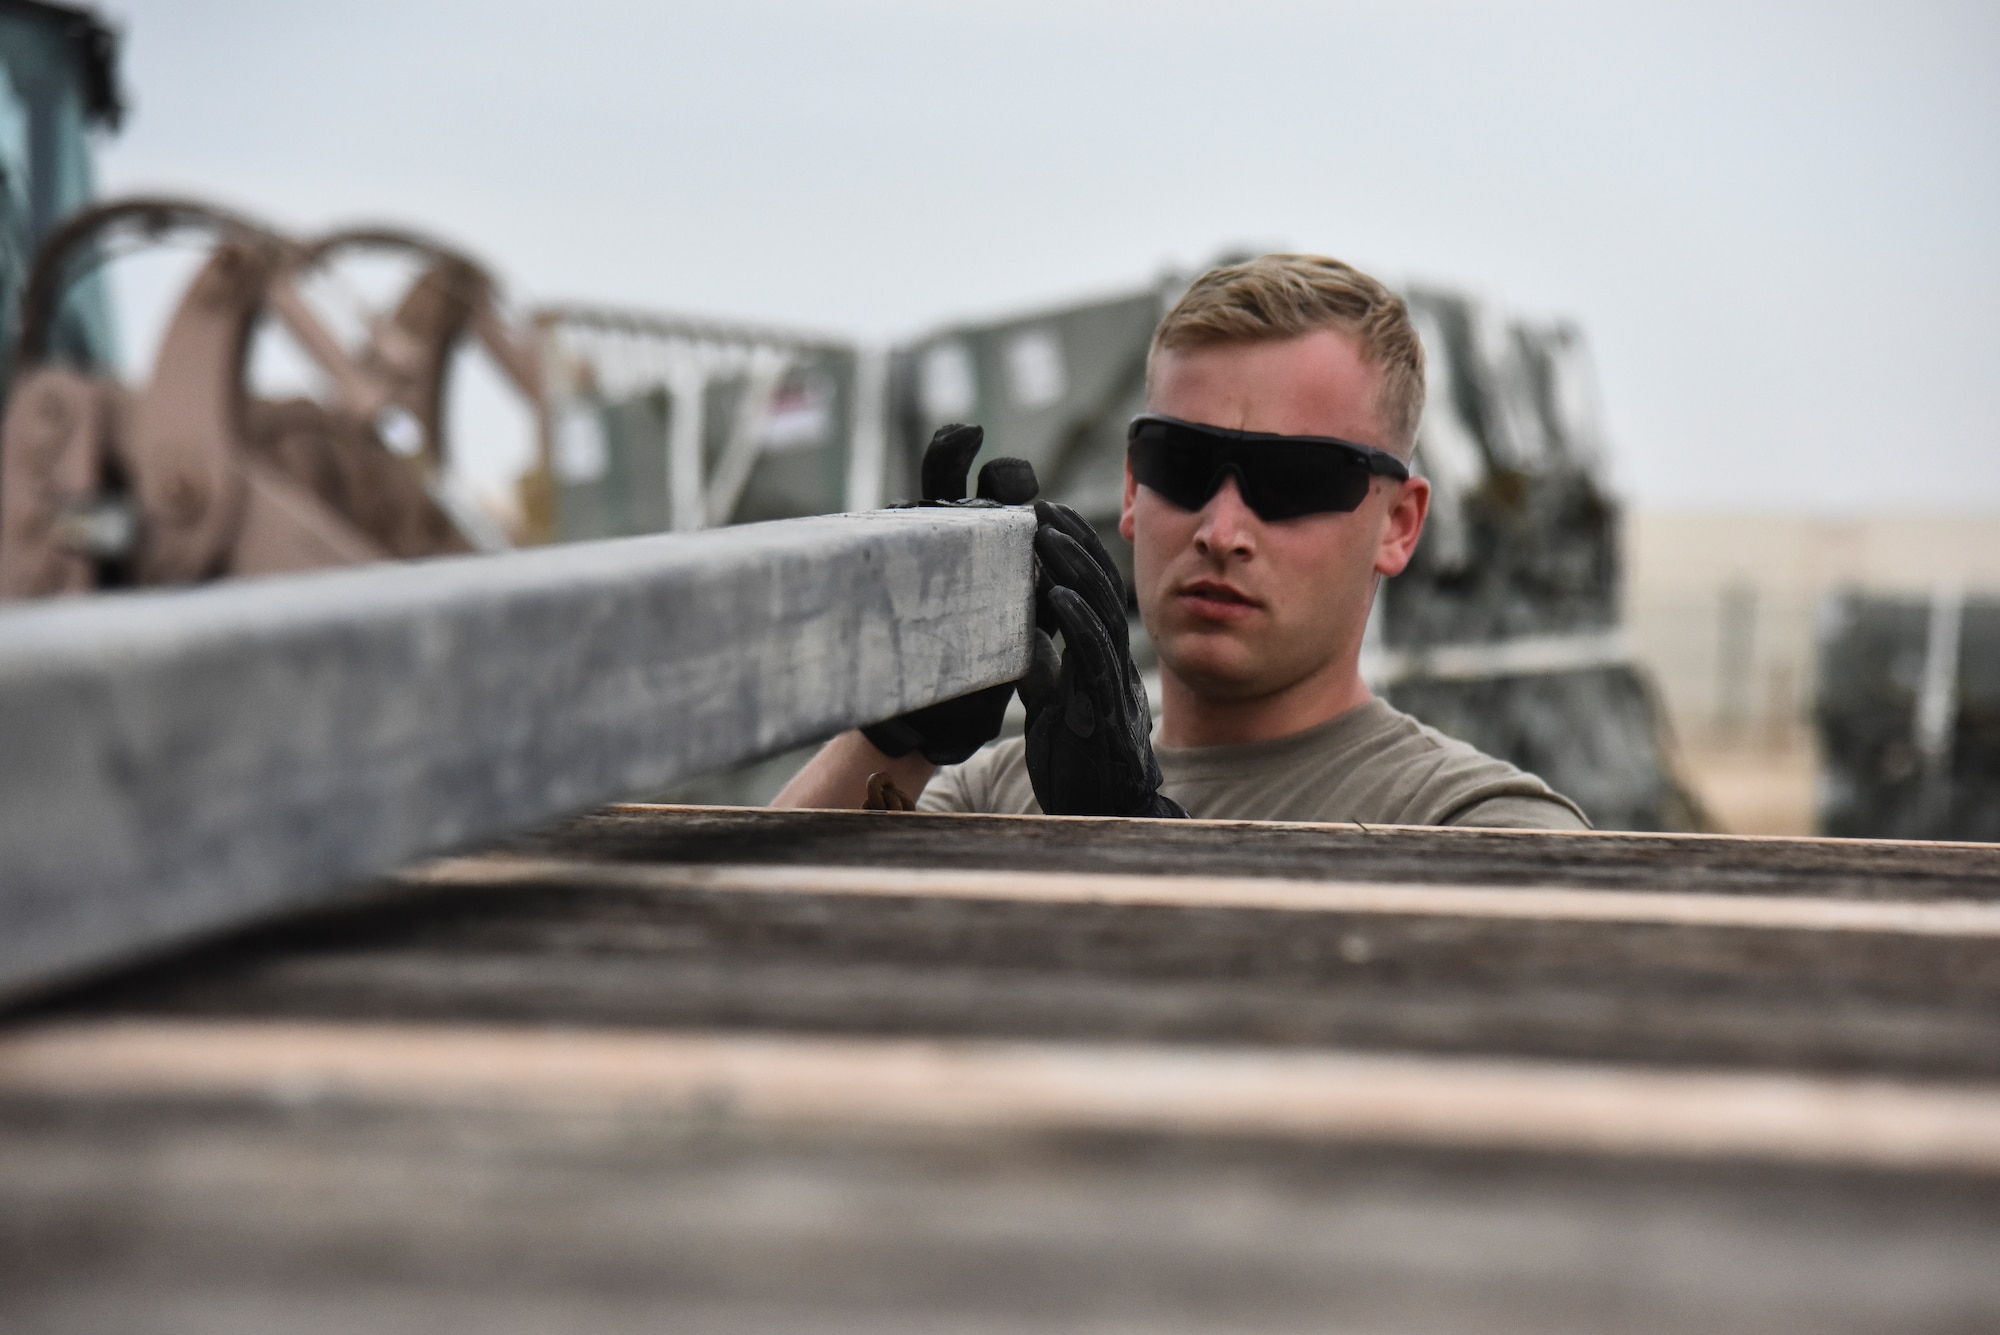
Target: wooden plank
176, 761
1709, 864
1955, 918
297, 1208
1334, 1096
1783, 981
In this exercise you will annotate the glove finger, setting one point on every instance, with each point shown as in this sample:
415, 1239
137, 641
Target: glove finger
1068, 566
1054, 514
893, 737
1090, 659
1114, 738
1008, 481
1045, 620
956, 728
1039, 685
948, 458
1107, 668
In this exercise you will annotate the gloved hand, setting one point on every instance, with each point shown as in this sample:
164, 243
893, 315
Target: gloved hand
948, 733
948, 458
1090, 749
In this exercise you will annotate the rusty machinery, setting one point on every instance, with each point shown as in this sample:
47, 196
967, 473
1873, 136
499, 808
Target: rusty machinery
190, 477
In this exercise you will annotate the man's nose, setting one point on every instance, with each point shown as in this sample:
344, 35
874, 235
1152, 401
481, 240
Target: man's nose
1228, 525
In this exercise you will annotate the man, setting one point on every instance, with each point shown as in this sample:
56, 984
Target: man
1267, 492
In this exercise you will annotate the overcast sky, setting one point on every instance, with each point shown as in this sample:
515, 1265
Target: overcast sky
1777, 223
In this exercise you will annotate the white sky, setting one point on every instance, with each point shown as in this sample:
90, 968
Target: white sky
1778, 223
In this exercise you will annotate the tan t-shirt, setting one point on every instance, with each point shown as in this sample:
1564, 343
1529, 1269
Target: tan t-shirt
1374, 764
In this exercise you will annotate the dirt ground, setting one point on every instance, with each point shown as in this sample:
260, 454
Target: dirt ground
1755, 789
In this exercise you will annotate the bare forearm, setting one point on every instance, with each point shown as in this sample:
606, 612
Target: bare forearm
838, 776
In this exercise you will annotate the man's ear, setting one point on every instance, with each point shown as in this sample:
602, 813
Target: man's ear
1125, 510
1405, 524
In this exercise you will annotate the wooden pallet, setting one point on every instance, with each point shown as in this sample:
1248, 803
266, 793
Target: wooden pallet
721, 1070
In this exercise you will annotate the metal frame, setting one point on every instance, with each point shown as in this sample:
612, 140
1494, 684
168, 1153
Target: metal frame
626, 350
190, 477
178, 761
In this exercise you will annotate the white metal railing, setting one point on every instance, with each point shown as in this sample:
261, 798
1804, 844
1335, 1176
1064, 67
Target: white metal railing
595, 354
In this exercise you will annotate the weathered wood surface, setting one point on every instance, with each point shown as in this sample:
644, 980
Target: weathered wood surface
306, 1209
1705, 864
925, 1083
1541, 903
170, 762
733, 1071
574, 928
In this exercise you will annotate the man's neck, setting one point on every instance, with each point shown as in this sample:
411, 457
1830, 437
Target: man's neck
1189, 718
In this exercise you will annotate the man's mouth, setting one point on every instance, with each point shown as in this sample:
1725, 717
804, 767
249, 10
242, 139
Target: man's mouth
1213, 598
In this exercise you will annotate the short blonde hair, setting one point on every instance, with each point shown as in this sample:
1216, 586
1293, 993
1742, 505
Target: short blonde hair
1283, 296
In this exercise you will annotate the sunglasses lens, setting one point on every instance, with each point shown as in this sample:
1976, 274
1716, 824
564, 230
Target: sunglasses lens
1294, 480
1181, 466
1279, 480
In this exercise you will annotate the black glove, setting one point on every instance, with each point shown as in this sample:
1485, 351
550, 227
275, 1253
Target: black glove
1090, 749
948, 733
948, 458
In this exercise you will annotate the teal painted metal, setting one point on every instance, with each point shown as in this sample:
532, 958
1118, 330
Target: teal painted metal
58, 81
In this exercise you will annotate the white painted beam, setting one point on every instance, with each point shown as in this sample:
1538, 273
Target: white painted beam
171, 762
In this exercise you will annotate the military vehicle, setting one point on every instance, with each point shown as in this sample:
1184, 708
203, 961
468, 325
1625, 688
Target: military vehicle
1908, 714
58, 86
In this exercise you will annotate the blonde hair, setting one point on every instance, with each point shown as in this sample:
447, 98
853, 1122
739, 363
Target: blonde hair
1283, 296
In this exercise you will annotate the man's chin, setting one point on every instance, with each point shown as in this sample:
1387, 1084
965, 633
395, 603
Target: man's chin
1216, 668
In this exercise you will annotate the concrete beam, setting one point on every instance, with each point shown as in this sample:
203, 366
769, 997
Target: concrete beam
175, 762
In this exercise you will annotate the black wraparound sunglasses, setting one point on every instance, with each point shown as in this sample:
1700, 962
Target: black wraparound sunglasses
1281, 477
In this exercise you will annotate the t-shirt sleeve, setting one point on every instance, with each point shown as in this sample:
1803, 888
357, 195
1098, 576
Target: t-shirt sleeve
1521, 812
948, 790
993, 782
